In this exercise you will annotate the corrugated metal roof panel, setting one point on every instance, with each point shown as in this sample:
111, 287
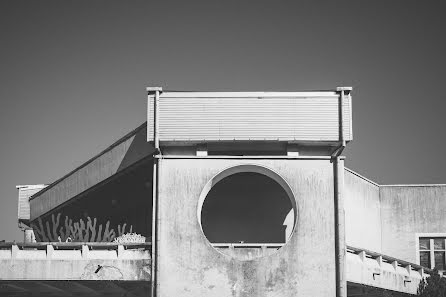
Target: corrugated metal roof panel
247, 117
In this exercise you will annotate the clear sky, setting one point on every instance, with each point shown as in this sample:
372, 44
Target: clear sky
73, 76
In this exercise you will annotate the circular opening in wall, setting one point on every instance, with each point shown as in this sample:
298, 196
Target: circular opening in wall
247, 212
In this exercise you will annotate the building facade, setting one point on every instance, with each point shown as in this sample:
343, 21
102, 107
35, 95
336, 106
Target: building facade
228, 194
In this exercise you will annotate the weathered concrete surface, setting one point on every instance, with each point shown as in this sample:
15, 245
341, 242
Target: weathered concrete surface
362, 212
376, 272
247, 253
122, 154
81, 264
407, 210
188, 264
389, 218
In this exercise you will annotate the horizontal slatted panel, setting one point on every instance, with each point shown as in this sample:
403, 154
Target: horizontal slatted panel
241, 118
347, 118
23, 204
150, 119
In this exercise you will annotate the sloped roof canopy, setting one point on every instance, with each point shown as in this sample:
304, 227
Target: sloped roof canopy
123, 154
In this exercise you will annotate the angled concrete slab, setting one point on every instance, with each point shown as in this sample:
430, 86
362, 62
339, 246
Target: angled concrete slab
123, 154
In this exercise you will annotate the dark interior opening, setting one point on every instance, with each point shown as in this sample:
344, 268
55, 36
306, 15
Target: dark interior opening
245, 207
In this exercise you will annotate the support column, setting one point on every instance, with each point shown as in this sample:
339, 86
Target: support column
340, 249
155, 91
29, 236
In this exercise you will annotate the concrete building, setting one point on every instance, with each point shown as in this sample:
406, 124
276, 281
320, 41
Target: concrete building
233, 194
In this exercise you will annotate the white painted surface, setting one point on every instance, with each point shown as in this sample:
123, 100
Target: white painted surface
211, 116
362, 212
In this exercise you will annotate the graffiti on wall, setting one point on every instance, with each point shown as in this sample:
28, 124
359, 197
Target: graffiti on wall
80, 231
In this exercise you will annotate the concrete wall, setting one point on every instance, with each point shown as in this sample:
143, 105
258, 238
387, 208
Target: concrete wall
362, 212
381, 272
386, 219
68, 263
407, 210
188, 264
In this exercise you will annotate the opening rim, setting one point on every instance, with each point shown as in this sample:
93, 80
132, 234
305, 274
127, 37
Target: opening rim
245, 168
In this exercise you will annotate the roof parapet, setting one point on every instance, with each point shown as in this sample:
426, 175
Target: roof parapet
154, 89
347, 90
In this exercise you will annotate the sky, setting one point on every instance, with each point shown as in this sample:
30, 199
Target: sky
73, 76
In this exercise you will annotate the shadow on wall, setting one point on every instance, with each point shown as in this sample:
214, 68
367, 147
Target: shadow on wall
139, 149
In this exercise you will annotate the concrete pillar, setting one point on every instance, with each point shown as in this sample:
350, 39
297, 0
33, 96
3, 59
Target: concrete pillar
29, 236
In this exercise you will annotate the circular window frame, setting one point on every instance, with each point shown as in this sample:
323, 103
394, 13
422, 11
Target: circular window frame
244, 168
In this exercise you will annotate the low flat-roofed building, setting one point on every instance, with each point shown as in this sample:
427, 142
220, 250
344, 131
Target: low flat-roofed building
227, 194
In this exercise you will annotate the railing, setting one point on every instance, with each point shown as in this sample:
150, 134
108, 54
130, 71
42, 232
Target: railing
74, 245
80, 260
381, 258
75, 250
49, 261
377, 270
249, 245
